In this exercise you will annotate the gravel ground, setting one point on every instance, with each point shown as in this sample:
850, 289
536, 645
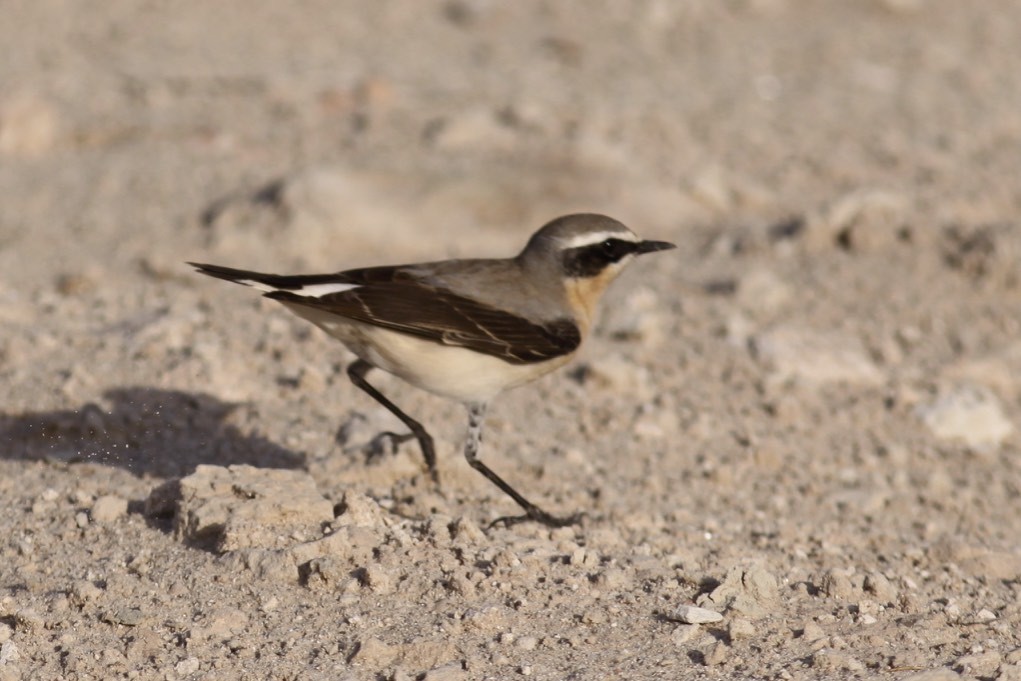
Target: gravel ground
795, 436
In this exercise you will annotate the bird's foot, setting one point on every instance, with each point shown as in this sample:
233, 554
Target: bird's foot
384, 444
537, 515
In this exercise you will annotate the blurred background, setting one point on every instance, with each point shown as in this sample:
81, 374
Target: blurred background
824, 377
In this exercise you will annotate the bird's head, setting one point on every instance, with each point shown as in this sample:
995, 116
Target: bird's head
586, 251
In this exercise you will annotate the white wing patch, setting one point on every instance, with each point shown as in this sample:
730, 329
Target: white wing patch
258, 285
320, 290
310, 291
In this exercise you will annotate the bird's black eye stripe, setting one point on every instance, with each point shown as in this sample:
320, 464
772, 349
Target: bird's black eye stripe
590, 260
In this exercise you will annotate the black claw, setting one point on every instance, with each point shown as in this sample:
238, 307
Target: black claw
385, 443
537, 516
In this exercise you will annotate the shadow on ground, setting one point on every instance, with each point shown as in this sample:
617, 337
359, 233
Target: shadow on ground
144, 430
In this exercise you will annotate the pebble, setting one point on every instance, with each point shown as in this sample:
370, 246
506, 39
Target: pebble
718, 654
129, 617
9, 653
187, 666
109, 508
979, 665
448, 672
968, 414
812, 632
242, 507
691, 614
28, 619
837, 585
882, 588
815, 358
685, 633
740, 628
861, 221
761, 291
380, 580
373, 652
29, 125
985, 615
831, 660
751, 591
527, 642
474, 129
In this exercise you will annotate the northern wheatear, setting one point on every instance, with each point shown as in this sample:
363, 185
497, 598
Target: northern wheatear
465, 329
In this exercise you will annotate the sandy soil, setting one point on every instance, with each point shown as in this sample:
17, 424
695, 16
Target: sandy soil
804, 419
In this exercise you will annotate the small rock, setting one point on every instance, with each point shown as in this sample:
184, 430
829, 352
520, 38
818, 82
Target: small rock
129, 617
968, 414
6, 631
740, 628
29, 125
360, 511
84, 592
690, 614
879, 586
29, 620
9, 653
448, 672
867, 220
487, 619
619, 374
812, 631
638, 317
475, 129
527, 642
815, 357
244, 507
465, 530
761, 291
718, 654
1009, 672
837, 585
187, 666
685, 633
978, 665
985, 615
379, 579
831, 660
109, 508
372, 652
751, 591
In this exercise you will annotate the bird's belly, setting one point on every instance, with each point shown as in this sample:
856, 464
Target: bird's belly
446, 370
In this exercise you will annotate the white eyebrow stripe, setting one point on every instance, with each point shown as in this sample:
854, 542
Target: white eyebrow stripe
593, 238
320, 290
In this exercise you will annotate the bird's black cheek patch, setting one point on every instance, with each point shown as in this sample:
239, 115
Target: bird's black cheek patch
589, 261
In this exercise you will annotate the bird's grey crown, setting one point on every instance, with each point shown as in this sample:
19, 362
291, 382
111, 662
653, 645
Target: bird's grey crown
572, 231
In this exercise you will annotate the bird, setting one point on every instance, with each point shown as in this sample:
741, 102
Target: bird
465, 329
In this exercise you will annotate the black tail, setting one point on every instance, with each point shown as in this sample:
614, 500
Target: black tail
276, 281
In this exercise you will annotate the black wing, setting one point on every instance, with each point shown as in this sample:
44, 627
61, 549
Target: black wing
392, 298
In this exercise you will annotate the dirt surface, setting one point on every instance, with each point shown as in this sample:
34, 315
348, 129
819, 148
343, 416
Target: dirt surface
804, 419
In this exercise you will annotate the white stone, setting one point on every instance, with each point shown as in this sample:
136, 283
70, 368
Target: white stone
968, 414
692, 614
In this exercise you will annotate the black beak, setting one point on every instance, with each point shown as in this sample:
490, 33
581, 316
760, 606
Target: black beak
652, 246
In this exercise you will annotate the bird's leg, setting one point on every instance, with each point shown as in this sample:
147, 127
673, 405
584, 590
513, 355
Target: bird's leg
356, 372
476, 417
